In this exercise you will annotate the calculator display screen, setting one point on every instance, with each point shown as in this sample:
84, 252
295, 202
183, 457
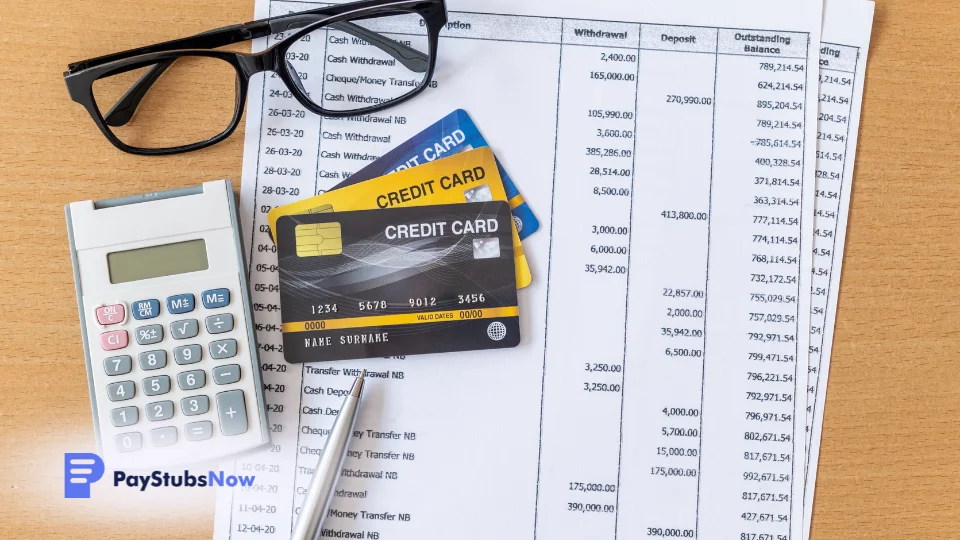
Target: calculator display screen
157, 261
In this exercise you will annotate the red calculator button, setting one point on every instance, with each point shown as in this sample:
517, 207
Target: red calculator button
111, 341
114, 314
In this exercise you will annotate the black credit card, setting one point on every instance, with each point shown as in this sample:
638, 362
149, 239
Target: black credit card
398, 281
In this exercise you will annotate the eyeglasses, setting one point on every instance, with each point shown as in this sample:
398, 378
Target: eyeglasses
180, 95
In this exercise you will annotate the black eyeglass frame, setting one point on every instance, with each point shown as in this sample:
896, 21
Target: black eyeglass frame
80, 76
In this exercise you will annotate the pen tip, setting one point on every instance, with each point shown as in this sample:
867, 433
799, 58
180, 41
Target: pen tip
358, 385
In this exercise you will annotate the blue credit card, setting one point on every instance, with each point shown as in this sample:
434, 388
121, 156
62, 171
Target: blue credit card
453, 134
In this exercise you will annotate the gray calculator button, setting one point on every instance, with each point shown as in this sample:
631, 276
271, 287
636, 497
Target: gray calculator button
128, 442
191, 380
121, 391
191, 406
118, 365
159, 410
150, 334
185, 329
187, 354
233, 412
198, 431
154, 386
164, 436
226, 374
218, 324
124, 416
152, 360
225, 348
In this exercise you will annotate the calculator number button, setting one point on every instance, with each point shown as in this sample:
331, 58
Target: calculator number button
159, 410
128, 442
232, 412
225, 348
164, 436
199, 431
218, 324
187, 354
192, 406
215, 298
226, 374
124, 416
112, 314
117, 365
185, 329
191, 380
181, 303
154, 386
145, 309
111, 341
148, 335
121, 391
152, 360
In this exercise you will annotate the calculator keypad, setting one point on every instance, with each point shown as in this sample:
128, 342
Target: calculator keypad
145, 309
118, 365
150, 334
112, 314
218, 324
191, 351
128, 442
187, 354
181, 303
185, 329
225, 348
159, 410
192, 406
124, 416
116, 339
152, 360
164, 436
226, 374
121, 391
199, 431
154, 386
191, 380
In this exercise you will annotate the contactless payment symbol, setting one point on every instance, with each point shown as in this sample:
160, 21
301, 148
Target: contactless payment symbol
496, 331
79, 471
316, 239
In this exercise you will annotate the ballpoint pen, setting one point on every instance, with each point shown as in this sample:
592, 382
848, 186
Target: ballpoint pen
317, 500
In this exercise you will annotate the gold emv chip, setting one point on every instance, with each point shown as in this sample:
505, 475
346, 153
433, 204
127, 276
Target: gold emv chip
317, 239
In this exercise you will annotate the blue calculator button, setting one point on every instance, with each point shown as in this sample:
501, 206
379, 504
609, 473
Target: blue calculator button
145, 309
181, 303
215, 298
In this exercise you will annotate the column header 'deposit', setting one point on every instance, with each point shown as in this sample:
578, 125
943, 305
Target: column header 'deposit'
678, 38
764, 43
601, 33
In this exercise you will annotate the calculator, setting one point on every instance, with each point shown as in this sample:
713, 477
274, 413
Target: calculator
167, 327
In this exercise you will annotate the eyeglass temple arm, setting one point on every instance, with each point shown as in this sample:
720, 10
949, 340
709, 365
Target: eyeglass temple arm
412, 59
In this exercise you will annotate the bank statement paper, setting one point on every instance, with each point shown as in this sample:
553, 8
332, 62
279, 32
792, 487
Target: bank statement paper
660, 388
843, 62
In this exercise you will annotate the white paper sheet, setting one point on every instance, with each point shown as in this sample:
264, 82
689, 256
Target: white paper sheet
656, 393
843, 63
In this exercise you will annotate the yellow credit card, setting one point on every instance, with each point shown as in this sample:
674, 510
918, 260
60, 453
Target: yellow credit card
470, 176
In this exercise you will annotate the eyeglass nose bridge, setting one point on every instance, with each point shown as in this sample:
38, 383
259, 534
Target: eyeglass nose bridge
268, 60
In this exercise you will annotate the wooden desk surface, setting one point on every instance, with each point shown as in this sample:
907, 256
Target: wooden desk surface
892, 434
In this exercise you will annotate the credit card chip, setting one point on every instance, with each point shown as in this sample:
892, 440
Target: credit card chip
317, 239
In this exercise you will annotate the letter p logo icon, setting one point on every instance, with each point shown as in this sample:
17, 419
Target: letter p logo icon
79, 471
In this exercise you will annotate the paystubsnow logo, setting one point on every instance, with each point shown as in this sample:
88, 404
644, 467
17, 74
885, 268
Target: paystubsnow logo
81, 470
